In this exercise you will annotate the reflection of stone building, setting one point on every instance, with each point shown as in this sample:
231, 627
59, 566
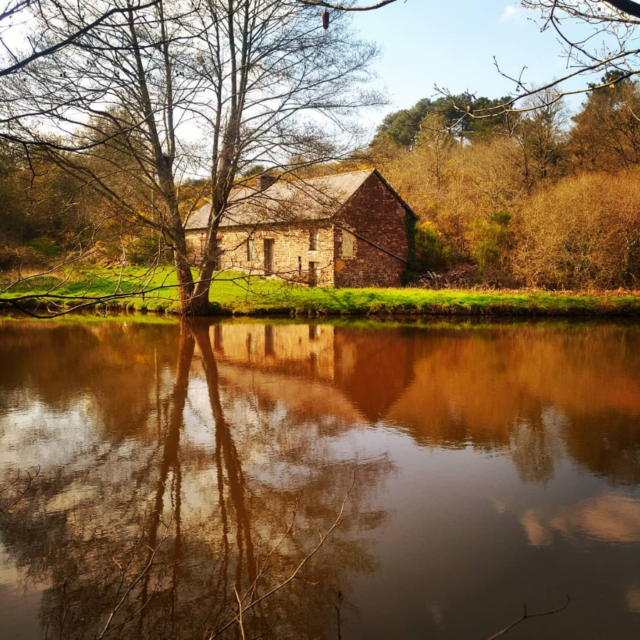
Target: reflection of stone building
295, 349
354, 374
490, 388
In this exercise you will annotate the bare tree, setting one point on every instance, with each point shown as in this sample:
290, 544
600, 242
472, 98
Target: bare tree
12, 19
598, 40
126, 108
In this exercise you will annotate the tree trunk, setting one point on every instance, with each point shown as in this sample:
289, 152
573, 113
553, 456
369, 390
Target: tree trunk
201, 303
185, 279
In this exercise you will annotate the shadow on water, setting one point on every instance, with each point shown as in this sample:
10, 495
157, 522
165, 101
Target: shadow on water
173, 457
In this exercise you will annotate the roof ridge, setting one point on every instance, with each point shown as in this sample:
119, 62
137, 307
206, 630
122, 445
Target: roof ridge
342, 173
334, 175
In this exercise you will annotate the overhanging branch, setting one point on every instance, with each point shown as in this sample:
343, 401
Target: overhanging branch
343, 7
626, 6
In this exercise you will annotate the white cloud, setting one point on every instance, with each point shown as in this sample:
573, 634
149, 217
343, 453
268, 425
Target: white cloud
512, 13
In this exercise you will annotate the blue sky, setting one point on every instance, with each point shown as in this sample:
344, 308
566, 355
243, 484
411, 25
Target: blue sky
427, 42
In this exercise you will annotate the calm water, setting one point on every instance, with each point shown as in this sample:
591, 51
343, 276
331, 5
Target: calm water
490, 466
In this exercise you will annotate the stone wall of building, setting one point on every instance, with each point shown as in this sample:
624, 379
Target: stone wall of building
292, 253
375, 214
341, 258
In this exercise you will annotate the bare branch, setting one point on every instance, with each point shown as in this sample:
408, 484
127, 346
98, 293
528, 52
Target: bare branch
528, 616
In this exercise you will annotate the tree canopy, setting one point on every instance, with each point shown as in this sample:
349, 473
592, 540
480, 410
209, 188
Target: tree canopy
403, 127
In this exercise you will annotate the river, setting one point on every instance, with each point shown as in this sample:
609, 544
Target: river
344, 479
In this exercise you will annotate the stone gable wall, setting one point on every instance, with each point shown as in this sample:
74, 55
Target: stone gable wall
376, 214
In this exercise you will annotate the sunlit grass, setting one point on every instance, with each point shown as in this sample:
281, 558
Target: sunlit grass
233, 293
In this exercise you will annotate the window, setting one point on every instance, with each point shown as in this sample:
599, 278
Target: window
250, 250
203, 240
300, 266
313, 239
348, 244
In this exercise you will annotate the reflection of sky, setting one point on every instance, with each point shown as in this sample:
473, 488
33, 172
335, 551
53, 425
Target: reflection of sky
610, 517
19, 600
29, 433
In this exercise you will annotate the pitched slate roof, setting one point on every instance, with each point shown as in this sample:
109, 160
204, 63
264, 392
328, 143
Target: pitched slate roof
291, 201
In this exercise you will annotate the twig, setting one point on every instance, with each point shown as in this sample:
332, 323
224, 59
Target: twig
294, 574
21, 495
239, 616
108, 629
527, 616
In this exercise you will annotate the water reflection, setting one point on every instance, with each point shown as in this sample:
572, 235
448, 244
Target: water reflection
609, 518
523, 389
189, 446
185, 469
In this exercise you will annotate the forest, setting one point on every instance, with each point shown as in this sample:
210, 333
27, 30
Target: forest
543, 198
537, 198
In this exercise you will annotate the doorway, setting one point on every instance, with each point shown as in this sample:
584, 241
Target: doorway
313, 274
268, 256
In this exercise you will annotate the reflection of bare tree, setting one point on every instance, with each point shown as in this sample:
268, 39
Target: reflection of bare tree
534, 449
177, 524
12, 493
227, 451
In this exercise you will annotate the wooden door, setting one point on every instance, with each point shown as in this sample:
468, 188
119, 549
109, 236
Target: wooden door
313, 274
268, 256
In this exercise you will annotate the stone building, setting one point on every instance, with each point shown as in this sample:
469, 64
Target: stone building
344, 230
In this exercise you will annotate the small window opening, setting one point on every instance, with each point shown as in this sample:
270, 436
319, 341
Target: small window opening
268, 256
348, 244
217, 264
313, 239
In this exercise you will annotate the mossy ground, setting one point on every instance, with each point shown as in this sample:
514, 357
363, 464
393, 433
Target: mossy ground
234, 294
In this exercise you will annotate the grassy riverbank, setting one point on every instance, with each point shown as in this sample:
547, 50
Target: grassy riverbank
233, 294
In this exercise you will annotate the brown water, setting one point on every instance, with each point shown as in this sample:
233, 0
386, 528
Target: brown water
491, 466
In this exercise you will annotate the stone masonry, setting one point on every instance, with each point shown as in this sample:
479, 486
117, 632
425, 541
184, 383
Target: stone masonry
324, 252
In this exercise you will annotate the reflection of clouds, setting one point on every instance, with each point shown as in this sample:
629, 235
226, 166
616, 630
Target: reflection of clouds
501, 506
436, 611
537, 532
609, 518
633, 599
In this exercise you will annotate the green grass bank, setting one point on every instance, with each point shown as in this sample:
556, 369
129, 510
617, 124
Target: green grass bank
234, 294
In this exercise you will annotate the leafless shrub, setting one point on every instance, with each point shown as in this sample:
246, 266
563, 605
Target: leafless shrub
582, 233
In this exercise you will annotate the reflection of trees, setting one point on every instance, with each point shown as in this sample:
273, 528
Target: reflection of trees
538, 391
535, 449
607, 444
87, 528
113, 365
